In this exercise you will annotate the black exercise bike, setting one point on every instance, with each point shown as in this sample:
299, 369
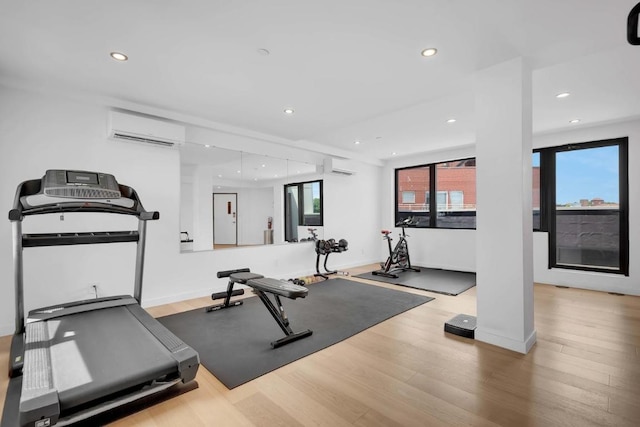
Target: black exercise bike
398, 260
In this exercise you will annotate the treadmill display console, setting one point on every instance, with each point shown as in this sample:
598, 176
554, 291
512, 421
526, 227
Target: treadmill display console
80, 185
67, 186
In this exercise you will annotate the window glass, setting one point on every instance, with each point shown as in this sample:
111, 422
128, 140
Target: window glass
587, 207
311, 191
535, 196
412, 189
456, 194
454, 185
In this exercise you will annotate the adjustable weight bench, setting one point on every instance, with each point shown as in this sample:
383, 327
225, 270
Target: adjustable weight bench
262, 286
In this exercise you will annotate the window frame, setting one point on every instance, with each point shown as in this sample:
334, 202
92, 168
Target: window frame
300, 192
548, 201
432, 213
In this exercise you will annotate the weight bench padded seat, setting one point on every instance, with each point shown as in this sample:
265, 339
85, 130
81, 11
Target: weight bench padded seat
243, 277
278, 287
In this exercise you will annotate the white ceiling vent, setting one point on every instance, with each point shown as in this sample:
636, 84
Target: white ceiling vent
129, 127
338, 166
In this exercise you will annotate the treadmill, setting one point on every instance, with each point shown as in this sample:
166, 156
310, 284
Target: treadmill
78, 360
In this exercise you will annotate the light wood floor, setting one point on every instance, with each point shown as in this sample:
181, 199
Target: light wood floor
584, 370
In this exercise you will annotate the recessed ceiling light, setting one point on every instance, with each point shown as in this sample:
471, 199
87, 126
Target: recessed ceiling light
219, 176
393, 154
451, 121
562, 95
429, 52
119, 56
263, 52
207, 146
263, 165
356, 142
288, 111
238, 171
574, 121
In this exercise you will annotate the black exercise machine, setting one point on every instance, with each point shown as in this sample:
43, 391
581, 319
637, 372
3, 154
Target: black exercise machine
262, 286
398, 260
74, 361
327, 247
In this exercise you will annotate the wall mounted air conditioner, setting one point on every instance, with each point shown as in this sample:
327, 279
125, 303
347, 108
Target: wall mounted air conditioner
129, 127
338, 166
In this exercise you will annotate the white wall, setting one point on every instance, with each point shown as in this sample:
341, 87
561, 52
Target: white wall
352, 212
39, 132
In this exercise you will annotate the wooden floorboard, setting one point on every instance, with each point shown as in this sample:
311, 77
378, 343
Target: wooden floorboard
583, 371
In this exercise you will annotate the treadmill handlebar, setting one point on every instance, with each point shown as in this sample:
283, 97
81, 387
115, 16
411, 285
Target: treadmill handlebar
33, 187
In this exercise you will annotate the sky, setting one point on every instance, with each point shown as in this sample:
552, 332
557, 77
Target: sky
586, 174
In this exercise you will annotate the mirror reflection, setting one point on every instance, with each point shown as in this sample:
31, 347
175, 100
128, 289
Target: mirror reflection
303, 209
232, 199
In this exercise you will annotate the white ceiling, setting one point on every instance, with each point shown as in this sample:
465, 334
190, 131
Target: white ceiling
351, 69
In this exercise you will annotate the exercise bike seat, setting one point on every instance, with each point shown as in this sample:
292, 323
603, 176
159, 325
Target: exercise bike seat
244, 277
386, 232
278, 287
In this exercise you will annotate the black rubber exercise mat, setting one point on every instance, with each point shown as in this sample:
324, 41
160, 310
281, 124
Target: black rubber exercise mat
234, 343
430, 279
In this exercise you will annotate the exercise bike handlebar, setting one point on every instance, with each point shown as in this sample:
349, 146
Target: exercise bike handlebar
409, 221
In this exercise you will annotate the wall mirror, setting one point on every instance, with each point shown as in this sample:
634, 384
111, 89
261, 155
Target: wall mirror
231, 199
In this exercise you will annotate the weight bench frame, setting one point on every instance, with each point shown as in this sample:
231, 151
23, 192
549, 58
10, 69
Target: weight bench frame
262, 286
230, 292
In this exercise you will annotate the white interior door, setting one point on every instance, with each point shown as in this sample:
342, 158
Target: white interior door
225, 219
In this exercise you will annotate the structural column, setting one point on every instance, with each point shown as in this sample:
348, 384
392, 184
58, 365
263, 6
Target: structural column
504, 237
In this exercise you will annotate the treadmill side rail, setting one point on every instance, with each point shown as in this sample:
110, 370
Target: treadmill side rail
187, 359
39, 398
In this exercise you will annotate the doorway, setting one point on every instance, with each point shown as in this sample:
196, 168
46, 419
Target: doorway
225, 215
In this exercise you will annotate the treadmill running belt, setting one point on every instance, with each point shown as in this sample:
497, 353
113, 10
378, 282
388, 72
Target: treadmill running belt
101, 352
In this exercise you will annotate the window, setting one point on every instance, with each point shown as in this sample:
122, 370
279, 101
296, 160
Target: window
441, 200
535, 196
584, 193
454, 184
408, 197
415, 182
456, 199
302, 206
